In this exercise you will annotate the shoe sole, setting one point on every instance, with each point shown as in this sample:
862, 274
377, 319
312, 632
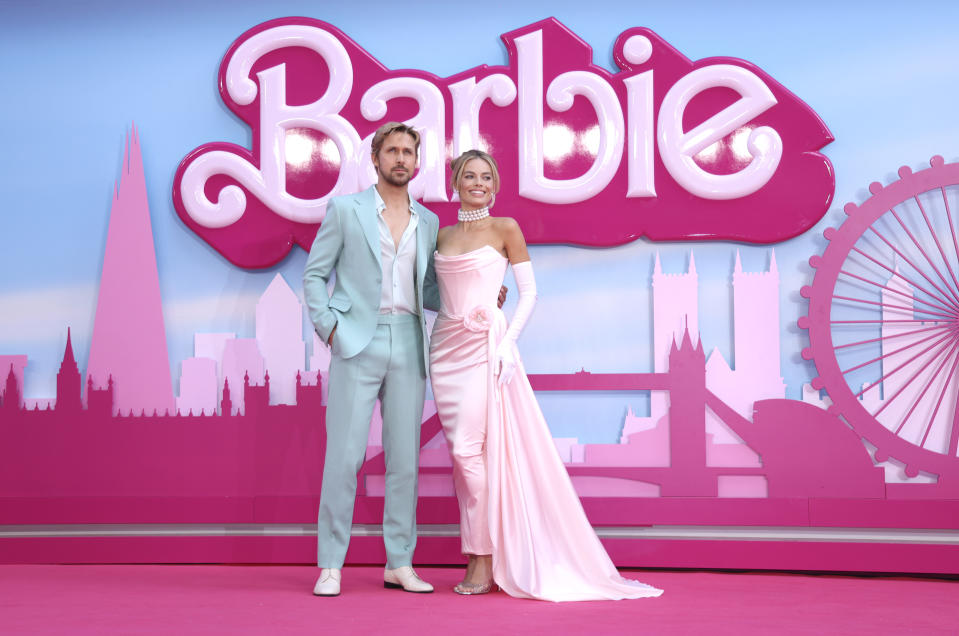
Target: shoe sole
398, 586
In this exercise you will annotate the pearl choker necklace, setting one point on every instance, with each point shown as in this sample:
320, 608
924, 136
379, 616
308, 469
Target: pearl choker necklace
472, 215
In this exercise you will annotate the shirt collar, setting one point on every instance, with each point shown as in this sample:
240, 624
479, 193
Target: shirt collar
381, 205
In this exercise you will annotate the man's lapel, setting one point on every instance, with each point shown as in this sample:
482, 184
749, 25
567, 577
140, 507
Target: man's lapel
423, 231
366, 214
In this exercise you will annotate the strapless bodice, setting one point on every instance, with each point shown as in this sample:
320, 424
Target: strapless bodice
469, 280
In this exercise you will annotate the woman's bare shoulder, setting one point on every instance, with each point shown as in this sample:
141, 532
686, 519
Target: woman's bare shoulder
506, 225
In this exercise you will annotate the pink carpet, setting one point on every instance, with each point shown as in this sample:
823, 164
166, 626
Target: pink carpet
195, 599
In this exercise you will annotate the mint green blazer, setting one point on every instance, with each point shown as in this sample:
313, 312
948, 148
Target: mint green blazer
348, 243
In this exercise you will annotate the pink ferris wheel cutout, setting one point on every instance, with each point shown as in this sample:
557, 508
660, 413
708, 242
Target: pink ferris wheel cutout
883, 320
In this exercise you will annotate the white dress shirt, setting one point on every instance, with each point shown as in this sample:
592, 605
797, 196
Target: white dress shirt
398, 293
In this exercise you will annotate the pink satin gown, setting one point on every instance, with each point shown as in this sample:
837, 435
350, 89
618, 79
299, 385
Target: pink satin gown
516, 499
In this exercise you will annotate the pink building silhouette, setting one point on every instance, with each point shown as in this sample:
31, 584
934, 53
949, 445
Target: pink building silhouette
911, 387
201, 376
675, 309
279, 334
907, 399
129, 338
756, 346
242, 359
68, 380
198, 386
11, 368
12, 399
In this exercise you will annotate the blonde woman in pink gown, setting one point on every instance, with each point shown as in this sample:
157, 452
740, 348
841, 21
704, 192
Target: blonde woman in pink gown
522, 525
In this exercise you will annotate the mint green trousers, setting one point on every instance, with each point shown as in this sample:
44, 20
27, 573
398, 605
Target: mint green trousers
390, 369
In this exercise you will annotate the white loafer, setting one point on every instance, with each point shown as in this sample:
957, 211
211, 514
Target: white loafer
329, 583
405, 578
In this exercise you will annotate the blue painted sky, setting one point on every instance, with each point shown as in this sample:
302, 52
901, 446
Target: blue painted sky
76, 76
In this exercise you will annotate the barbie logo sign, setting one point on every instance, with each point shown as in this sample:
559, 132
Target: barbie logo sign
665, 148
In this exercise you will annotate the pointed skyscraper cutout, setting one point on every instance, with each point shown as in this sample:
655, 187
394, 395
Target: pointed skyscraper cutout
129, 338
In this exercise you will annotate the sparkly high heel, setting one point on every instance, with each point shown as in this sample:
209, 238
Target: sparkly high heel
470, 589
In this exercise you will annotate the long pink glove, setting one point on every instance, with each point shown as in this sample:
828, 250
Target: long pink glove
506, 353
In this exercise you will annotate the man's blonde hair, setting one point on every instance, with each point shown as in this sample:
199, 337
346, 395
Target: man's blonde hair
388, 129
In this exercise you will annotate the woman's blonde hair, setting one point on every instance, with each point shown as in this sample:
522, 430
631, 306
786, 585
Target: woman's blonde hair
458, 165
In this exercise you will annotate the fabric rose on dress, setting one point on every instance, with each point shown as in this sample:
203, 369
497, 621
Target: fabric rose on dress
479, 318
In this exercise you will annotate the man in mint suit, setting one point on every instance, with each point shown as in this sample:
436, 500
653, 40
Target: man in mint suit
380, 243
